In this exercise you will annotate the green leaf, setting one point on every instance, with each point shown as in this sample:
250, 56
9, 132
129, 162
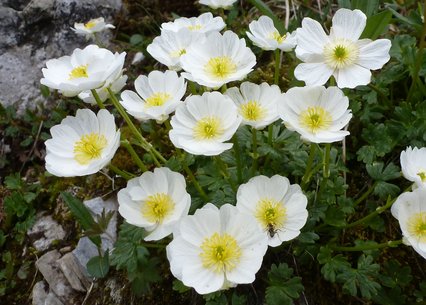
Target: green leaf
180, 287
238, 299
334, 216
44, 90
376, 171
385, 189
368, 7
395, 274
14, 182
333, 265
376, 24
307, 237
98, 266
283, 286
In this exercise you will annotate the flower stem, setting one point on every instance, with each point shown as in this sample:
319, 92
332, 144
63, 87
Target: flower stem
255, 155
134, 155
97, 98
238, 159
277, 66
391, 243
366, 194
326, 161
119, 172
307, 176
270, 130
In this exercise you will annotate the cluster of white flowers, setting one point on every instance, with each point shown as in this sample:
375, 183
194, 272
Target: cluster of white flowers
218, 248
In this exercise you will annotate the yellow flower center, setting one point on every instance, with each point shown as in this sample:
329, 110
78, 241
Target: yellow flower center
270, 213
220, 253
78, 72
277, 37
157, 207
208, 128
90, 24
315, 119
252, 111
422, 175
341, 53
178, 53
157, 99
417, 226
220, 67
89, 147
195, 27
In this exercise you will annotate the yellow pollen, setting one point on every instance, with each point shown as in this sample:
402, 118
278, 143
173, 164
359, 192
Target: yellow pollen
89, 147
270, 213
417, 226
252, 111
220, 253
341, 53
157, 207
422, 175
90, 24
220, 67
195, 27
178, 53
277, 37
208, 128
157, 99
79, 72
315, 119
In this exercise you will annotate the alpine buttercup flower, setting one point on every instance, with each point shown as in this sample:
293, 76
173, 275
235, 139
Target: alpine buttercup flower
413, 165
317, 113
158, 95
257, 104
410, 210
218, 60
278, 207
155, 201
90, 68
341, 54
203, 123
82, 145
216, 249
205, 23
91, 27
226, 4
264, 35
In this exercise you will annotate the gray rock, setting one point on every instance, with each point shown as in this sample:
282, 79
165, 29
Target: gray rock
39, 293
52, 299
45, 230
34, 31
49, 267
74, 272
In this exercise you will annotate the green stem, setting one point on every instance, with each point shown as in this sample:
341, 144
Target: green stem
391, 243
381, 94
134, 155
255, 156
270, 131
277, 66
366, 194
97, 98
225, 173
121, 173
326, 161
238, 159
306, 177
191, 175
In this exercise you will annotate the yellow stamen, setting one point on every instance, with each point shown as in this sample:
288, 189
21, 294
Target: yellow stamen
341, 53
208, 128
252, 111
178, 53
422, 175
89, 147
78, 72
417, 226
157, 207
270, 213
316, 119
157, 99
90, 24
220, 253
277, 37
220, 67
195, 27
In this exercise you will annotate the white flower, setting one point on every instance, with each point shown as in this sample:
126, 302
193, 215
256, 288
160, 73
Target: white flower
413, 164
158, 95
316, 113
341, 53
205, 23
278, 207
216, 249
169, 47
410, 210
203, 123
82, 145
226, 4
257, 104
91, 27
116, 86
155, 201
266, 36
138, 58
218, 60
86, 69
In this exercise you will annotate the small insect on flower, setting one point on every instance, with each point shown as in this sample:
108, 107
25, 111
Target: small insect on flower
413, 165
91, 27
